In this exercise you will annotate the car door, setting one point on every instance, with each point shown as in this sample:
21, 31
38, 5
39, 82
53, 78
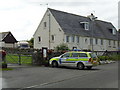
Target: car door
64, 58
71, 61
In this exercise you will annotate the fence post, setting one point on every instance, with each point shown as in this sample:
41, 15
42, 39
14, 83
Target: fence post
19, 62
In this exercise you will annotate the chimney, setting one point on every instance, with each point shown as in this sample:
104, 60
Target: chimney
92, 17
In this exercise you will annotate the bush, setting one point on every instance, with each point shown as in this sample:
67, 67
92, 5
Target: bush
61, 47
111, 57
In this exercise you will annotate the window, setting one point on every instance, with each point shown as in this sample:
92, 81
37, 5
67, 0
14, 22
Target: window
45, 24
67, 38
96, 41
114, 43
83, 55
91, 41
86, 40
79, 55
52, 37
109, 42
75, 54
73, 38
101, 41
39, 39
93, 55
77, 39
114, 31
85, 25
65, 55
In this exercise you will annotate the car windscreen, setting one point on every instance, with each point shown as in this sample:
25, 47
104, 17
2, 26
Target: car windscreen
65, 55
93, 55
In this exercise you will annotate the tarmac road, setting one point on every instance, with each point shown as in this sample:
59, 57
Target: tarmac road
102, 76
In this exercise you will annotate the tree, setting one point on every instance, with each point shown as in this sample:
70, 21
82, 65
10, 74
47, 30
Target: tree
31, 42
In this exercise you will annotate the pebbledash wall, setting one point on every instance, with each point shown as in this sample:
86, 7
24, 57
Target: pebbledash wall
43, 35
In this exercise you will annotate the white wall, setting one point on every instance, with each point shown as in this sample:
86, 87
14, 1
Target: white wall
43, 32
84, 43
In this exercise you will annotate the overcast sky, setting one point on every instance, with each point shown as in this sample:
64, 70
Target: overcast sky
22, 17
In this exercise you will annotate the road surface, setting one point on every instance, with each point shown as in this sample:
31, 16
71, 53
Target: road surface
102, 76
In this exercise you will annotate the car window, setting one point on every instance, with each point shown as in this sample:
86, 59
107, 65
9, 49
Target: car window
93, 55
75, 54
65, 55
83, 55
79, 55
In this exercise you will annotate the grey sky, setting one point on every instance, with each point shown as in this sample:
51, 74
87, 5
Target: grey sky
22, 17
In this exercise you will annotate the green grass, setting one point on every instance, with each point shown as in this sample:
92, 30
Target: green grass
5, 69
12, 58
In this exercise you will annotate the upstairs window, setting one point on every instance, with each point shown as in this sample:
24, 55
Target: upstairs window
113, 31
39, 39
85, 25
45, 24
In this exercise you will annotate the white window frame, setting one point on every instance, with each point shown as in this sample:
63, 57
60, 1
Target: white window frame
67, 39
77, 39
73, 38
114, 31
86, 25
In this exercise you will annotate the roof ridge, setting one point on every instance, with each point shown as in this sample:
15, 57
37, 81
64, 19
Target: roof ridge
78, 15
68, 13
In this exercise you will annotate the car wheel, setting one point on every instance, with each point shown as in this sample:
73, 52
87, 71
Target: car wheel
54, 64
80, 66
89, 67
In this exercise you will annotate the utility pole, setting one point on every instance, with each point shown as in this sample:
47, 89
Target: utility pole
49, 30
49, 25
92, 18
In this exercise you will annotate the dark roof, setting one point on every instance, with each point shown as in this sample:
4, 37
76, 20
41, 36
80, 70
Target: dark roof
7, 37
70, 23
4, 34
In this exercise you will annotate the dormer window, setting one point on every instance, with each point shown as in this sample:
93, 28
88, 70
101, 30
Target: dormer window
85, 25
113, 31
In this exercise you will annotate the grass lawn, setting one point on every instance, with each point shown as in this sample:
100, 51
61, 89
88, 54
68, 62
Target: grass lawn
5, 69
14, 58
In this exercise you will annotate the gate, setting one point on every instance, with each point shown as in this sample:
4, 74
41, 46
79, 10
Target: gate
18, 56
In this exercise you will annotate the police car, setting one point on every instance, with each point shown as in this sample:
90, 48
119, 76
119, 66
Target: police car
79, 59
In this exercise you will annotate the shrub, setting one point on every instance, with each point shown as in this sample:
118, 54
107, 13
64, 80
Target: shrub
61, 47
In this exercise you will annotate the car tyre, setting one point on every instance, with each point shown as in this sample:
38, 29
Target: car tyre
80, 66
54, 64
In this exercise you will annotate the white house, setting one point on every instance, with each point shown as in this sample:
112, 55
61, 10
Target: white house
76, 31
